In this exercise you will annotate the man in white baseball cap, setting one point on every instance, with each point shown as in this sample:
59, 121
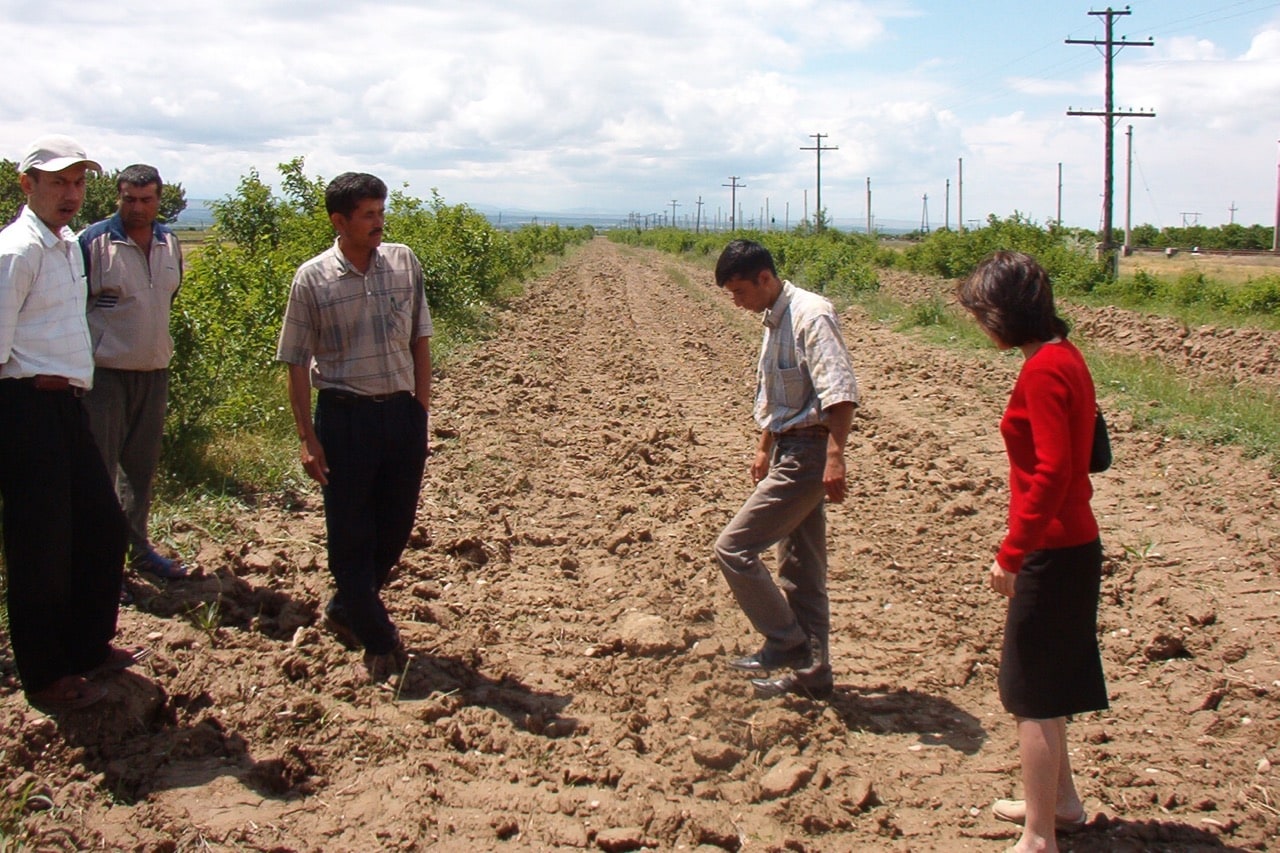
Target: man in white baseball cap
54, 153
64, 531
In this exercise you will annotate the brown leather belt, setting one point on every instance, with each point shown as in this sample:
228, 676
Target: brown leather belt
801, 431
48, 382
346, 398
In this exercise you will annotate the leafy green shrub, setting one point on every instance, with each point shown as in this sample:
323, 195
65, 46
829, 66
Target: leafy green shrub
224, 377
1259, 296
1064, 253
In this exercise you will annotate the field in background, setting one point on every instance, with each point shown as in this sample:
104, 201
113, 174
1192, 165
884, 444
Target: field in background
1227, 268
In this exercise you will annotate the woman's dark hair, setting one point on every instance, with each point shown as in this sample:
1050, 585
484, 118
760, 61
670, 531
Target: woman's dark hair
1010, 296
743, 259
345, 192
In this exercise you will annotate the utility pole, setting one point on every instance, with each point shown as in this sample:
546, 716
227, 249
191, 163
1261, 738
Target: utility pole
1110, 48
960, 198
673, 213
1059, 219
733, 200
1232, 210
818, 147
946, 208
868, 207
1275, 229
697, 222
924, 216
1128, 194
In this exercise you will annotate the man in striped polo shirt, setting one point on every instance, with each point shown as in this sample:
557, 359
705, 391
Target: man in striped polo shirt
358, 328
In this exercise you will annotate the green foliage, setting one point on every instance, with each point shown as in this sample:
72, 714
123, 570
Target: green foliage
99, 197
1064, 253
1192, 289
1260, 296
838, 265
11, 196
226, 389
1231, 237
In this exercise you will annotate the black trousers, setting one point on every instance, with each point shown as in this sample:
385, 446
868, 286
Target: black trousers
64, 535
376, 452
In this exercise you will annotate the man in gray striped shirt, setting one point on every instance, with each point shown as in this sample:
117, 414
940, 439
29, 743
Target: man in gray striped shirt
805, 397
358, 328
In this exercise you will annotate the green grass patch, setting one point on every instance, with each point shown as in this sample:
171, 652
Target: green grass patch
1194, 298
1202, 410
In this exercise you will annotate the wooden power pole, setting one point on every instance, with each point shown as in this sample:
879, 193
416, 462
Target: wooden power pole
819, 148
733, 201
1110, 47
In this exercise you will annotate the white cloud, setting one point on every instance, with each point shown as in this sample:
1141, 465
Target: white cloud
626, 105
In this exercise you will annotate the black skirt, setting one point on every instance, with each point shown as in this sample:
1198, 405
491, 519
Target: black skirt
1050, 665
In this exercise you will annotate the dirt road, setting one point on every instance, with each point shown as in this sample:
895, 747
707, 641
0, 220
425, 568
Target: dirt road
570, 628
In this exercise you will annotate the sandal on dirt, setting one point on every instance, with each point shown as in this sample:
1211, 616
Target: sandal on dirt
69, 693
1015, 811
118, 659
162, 567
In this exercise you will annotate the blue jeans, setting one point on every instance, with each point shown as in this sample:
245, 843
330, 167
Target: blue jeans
376, 452
787, 509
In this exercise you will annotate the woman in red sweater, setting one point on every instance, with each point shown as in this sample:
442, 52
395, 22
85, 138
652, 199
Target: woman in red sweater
1050, 562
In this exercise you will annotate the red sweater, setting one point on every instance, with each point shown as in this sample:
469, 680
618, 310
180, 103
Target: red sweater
1048, 433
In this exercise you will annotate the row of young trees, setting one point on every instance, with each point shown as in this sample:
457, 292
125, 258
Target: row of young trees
842, 265
224, 378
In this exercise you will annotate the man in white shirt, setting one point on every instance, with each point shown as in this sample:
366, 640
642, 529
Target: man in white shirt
64, 532
806, 394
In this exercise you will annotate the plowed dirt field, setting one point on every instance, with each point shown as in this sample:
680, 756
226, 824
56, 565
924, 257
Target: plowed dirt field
570, 630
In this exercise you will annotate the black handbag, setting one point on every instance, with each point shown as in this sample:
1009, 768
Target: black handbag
1100, 455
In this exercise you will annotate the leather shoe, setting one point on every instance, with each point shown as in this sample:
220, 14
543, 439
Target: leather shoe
771, 688
767, 659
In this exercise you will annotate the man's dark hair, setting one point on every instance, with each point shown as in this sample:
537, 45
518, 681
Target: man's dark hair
743, 259
345, 192
1010, 295
139, 175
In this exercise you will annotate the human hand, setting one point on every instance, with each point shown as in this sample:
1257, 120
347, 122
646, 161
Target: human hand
834, 478
313, 461
1002, 581
760, 466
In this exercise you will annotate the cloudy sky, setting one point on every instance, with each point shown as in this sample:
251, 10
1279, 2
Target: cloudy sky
624, 107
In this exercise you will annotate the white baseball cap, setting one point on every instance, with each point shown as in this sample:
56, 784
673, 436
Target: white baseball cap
54, 153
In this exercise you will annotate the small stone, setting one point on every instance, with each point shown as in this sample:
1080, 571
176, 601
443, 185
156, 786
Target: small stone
785, 778
1165, 646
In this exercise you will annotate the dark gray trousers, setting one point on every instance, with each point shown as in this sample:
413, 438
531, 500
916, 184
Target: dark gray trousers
787, 509
126, 415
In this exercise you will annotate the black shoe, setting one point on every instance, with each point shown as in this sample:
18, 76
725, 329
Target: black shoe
336, 623
767, 660
810, 688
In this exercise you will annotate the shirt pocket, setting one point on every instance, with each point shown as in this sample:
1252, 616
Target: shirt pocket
788, 386
398, 316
